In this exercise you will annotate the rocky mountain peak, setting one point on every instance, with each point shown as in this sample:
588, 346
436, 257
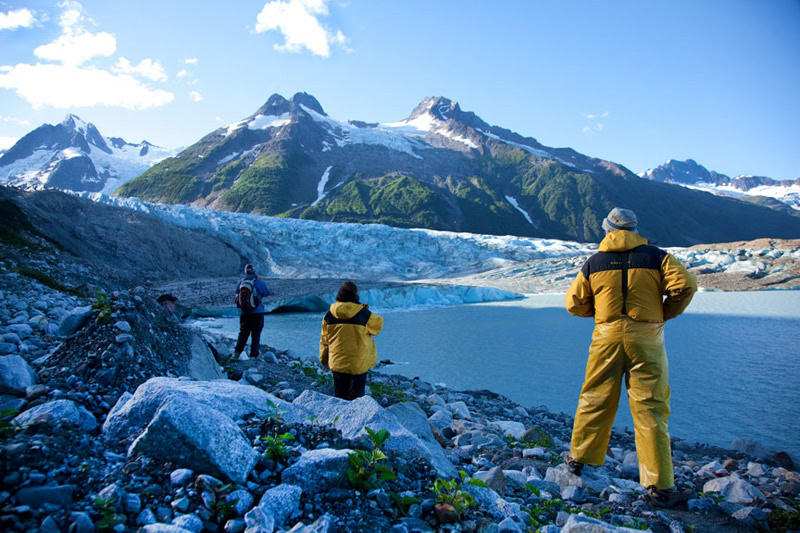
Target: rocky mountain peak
438, 107
308, 101
73, 123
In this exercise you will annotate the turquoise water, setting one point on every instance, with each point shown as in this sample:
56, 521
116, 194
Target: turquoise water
734, 358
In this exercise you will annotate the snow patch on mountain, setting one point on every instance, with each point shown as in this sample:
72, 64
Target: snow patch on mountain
529, 149
516, 206
323, 181
344, 133
262, 122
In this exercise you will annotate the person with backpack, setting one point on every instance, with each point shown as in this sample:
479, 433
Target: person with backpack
250, 294
346, 346
623, 287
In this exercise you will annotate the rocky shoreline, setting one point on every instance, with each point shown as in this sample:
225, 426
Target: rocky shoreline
110, 422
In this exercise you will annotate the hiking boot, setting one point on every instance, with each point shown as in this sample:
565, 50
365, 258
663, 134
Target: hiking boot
666, 498
573, 466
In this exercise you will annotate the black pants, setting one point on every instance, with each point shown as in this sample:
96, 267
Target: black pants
349, 386
250, 325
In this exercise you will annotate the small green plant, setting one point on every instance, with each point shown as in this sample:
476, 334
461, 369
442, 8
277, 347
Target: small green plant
276, 448
276, 414
6, 427
108, 514
223, 510
535, 490
540, 440
387, 390
102, 303
450, 492
403, 503
365, 472
312, 370
45, 279
84, 467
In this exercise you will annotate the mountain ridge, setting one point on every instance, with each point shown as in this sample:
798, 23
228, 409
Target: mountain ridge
74, 155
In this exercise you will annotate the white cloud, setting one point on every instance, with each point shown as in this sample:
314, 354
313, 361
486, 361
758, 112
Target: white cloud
597, 126
195, 96
191, 61
21, 18
65, 86
183, 73
73, 84
76, 45
20, 121
150, 69
298, 21
7, 142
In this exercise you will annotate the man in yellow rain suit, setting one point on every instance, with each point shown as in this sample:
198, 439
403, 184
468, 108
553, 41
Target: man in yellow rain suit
623, 288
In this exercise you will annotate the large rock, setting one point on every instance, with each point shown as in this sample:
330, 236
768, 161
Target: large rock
202, 364
318, 470
441, 419
228, 398
406, 422
578, 523
487, 500
509, 428
186, 433
277, 505
64, 411
74, 320
37, 496
735, 490
15, 375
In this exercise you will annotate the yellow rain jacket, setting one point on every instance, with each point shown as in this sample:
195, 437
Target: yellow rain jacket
346, 344
623, 288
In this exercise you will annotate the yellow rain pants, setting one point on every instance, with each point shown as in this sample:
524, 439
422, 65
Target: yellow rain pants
636, 351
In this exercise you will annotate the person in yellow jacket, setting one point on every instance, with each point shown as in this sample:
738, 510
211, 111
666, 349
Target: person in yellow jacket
346, 346
623, 287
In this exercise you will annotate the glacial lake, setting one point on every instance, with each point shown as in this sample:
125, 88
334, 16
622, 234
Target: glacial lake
734, 358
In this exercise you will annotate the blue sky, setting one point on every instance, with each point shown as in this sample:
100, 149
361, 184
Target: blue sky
634, 82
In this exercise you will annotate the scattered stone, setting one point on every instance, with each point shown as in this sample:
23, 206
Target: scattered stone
15, 375
38, 496
756, 469
189, 522
734, 489
494, 478
509, 428
574, 494
460, 410
58, 411
180, 477
324, 524
279, 503
318, 470
74, 320
123, 326
81, 523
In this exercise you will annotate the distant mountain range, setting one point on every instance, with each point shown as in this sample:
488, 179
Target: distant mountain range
74, 155
758, 189
440, 168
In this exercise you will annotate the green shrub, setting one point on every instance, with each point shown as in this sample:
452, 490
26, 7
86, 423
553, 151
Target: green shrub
450, 492
276, 448
365, 472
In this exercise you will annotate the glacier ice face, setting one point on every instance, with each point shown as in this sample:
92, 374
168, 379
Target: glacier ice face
294, 248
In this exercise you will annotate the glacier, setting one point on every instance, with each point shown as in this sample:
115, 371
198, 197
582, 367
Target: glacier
292, 248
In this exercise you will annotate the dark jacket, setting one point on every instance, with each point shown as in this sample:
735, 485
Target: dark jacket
261, 290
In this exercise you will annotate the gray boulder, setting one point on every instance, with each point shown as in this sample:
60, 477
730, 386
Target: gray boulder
574, 494
406, 422
487, 500
64, 411
324, 524
441, 419
241, 499
577, 523
74, 320
318, 470
735, 490
202, 364
186, 433
23, 331
60, 495
509, 428
162, 528
15, 375
630, 466
280, 503
7, 348
189, 522
259, 520
228, 398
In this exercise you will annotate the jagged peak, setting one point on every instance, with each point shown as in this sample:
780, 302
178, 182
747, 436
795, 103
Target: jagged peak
74, 123
439, 107
278, 105
308, 101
